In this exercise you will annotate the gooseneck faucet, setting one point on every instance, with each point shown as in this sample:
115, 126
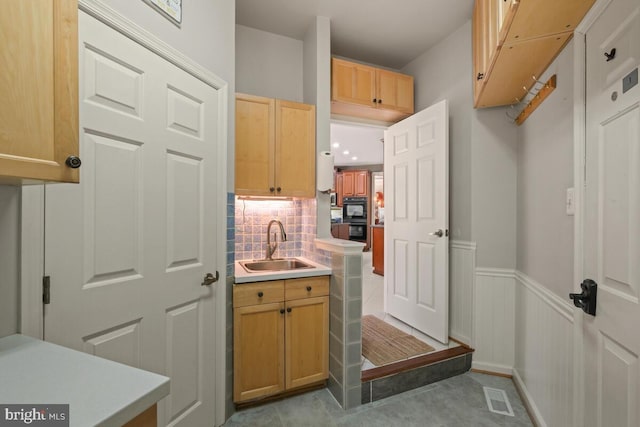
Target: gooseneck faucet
271, 249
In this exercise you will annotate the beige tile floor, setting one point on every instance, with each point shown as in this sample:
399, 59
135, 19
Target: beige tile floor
373, 303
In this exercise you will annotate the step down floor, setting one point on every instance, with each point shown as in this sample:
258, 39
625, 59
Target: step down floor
396, 378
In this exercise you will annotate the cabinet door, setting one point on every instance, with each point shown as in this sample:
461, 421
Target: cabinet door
353, 83
348, 184
307, 338
295, 159
339, 189
255, 145
394, 91
258, 351
361, 183
39, 90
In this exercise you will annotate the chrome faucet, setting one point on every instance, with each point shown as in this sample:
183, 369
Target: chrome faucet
283, 236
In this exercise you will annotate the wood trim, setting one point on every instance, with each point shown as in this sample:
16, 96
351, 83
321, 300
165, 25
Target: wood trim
293, 392
413, 363
494, 374
147, 418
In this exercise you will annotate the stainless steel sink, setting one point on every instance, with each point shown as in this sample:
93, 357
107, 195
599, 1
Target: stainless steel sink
281, 264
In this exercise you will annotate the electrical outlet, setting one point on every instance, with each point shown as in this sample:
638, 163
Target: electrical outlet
571, 202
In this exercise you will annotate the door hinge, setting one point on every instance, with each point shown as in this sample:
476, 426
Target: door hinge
46, 290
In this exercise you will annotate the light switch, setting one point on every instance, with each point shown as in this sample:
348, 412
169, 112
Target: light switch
571, 202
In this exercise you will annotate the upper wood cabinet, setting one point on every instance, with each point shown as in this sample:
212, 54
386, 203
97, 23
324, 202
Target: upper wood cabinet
275, 147
352, 183
369, 92
39, 90
513, 41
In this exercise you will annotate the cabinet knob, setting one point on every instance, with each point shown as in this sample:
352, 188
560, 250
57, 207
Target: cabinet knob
272, 189
282, 311
279, 189
480, 76
260, 294
379, 101
73, 162
308, 288
375, 100
288, 309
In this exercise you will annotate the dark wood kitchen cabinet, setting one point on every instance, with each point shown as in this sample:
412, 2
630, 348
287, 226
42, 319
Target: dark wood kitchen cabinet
340, 231
377, 236
354, 183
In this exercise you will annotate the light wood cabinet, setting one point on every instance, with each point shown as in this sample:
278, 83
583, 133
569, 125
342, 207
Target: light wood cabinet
361, 183
275, 147
516, 40
348, 184
339, 184
369, 92
39, 90
281, 336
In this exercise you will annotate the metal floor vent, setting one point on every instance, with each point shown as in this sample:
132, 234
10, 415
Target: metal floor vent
497, 401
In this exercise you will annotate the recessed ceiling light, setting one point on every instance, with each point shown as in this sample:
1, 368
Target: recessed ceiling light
354, 158
345, 152
336, 144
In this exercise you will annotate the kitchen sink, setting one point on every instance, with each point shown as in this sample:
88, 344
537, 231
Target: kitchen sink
281, 264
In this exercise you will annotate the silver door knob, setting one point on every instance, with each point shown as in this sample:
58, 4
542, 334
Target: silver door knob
438, 233
209, 279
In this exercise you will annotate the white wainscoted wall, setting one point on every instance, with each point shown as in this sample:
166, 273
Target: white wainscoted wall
543, 369
462, 265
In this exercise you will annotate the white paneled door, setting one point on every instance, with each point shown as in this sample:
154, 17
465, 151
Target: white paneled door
127, 249
416, 173
612, 217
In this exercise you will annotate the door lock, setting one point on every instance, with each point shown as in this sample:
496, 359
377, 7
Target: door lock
438, 233
209, 279
587, 299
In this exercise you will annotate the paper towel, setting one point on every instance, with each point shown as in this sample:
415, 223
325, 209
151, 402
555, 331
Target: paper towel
324, 171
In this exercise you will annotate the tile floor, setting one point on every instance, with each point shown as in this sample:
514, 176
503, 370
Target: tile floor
457, 401
373, 303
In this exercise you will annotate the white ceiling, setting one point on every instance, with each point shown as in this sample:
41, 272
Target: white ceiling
362, 142
387, 33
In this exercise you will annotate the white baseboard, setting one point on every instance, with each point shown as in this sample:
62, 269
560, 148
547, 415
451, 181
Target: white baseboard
528, 401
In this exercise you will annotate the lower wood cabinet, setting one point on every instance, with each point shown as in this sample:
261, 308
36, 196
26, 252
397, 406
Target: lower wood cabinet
281, 336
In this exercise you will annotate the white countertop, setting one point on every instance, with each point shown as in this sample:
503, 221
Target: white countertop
243, 276
98, 391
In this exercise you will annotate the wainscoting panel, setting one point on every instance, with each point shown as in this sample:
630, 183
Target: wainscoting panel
543, 368
462, 265
494, 320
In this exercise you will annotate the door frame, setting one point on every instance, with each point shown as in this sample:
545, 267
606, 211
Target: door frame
33, 201
579, 170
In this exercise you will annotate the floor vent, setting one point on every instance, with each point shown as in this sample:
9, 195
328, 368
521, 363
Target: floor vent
497, 401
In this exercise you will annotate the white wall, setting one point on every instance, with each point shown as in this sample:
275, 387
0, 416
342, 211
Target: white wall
9, 259
545, 171
444, 72
268, 64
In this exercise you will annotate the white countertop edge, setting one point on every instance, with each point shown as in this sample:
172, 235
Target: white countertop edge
340, 246
243, 276
99, 391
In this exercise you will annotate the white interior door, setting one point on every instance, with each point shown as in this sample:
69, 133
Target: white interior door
127, 249
416, 181
612, 218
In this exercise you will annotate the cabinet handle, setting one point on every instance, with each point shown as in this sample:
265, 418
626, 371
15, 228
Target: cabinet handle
288, 309
279, 189
282, 311
73, 162
308, 288
272, 189
260, 294
480, 76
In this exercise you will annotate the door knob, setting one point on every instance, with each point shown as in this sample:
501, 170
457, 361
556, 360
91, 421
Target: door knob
209, 279
587, 299
438, 233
